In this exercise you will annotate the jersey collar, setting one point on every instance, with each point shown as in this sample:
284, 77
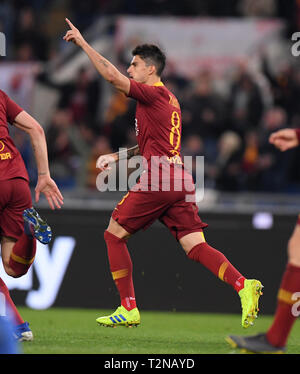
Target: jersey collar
158, 84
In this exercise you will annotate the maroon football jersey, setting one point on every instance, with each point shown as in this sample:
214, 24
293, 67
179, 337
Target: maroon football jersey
157, 121
158, 126
11, 162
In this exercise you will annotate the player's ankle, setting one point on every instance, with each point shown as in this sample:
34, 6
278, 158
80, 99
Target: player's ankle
239, 284
128, 303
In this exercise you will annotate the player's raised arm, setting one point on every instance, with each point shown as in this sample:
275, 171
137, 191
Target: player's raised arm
108, 71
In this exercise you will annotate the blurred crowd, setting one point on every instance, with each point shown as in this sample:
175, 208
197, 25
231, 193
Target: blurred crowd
230, 129
32, 27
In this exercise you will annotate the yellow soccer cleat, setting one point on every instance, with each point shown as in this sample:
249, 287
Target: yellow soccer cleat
121, 317
250, 295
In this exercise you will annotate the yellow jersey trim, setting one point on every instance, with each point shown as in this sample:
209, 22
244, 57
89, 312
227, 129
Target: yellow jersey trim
158, 84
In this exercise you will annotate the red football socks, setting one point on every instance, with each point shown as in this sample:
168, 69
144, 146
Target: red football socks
285, 314
121, 269
10, 304
22, 255
218, 264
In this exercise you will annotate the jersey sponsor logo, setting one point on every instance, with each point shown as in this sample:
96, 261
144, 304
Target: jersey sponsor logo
5, 155
176, 159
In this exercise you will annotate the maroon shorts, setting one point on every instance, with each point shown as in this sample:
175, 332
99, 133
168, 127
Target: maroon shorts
139, 209
15, 196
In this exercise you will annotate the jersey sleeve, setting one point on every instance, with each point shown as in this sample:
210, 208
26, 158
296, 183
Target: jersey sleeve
143, 92
298, 134
12, 109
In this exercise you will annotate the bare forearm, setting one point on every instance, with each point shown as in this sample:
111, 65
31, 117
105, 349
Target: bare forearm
26, 123
106, 69
39, 146
126, 154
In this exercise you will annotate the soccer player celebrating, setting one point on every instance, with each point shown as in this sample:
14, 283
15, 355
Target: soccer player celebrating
20, 224
275, 339
158, 131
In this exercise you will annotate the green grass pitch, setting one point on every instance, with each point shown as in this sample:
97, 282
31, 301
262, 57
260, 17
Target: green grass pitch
75, 331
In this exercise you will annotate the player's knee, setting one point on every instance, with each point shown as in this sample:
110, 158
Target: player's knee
114, 228
11, 272
294, 251
109, 235
190, 240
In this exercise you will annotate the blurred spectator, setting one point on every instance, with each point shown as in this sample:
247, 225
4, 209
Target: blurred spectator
231, 132
245, 103
81, 96
62, 156
100, 147
226, 171
273, 165
251, 152
176, 83
29, 40
82, 139
285, 84
193, 146
119, 120
85, 12
282, 85
250, 161
257, 8
203, 114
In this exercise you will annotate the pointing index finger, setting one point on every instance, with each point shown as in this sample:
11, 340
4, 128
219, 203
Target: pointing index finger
70, 24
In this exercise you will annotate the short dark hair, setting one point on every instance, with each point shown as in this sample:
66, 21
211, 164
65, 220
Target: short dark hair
152, 55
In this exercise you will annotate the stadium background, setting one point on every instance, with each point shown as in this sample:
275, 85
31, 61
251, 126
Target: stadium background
237, 80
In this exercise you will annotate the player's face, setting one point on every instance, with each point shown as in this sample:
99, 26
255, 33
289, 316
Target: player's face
138, 70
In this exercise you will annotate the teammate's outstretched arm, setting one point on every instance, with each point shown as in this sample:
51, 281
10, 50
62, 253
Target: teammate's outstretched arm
108, 71
45, 183
285, 139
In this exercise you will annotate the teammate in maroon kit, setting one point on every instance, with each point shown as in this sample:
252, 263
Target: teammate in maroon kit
20, 224
158, 130
276, 337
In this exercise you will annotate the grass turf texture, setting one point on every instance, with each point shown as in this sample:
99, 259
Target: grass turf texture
75, 331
